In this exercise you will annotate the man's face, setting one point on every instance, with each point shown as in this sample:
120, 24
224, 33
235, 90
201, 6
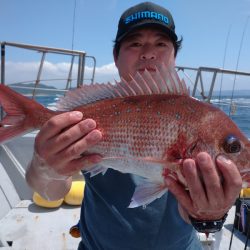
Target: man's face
145, 48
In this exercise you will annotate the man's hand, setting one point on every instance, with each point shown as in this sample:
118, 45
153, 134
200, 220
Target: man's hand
59, 153
209, 196
62, 141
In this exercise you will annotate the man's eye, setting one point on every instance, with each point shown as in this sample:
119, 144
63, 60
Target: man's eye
162, 44
135, 44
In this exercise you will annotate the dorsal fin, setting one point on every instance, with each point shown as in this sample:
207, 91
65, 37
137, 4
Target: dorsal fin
162, 81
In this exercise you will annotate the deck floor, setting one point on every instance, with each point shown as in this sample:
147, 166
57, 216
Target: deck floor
19, 228
31, 227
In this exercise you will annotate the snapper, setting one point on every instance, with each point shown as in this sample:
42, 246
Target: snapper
149, 125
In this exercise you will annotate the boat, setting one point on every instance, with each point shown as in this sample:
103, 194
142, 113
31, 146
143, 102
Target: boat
24, 224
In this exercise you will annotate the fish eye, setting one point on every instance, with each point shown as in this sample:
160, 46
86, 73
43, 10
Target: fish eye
232, 145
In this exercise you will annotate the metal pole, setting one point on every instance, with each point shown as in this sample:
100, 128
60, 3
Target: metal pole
202, 87
80, 75
79, 71
3, 63
212, 86
93, 73
196, 82
2, 72
83, 68
39, 74
70, 72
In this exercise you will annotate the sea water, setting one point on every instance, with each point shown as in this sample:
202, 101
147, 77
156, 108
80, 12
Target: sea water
238, 109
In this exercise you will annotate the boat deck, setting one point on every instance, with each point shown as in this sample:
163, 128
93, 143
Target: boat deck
30, 227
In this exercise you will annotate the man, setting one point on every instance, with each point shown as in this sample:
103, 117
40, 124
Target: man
145, 39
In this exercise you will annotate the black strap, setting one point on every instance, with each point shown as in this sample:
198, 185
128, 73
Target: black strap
208, 226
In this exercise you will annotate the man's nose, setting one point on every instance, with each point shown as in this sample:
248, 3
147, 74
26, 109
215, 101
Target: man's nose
147, 53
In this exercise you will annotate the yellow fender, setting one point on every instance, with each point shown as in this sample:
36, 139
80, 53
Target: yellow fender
75, 194
40, 201
245, 193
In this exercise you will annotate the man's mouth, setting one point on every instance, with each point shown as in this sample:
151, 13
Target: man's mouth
150, 69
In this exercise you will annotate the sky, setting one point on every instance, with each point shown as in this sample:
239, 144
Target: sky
203, 25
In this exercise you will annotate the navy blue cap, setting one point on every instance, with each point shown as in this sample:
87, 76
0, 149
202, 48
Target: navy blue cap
143, 15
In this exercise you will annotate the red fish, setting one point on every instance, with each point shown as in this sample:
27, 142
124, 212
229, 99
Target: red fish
149, 126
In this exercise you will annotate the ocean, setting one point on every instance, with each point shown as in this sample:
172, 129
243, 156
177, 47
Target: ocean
240, 110
240, 107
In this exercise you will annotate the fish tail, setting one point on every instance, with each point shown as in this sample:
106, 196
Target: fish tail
22, 114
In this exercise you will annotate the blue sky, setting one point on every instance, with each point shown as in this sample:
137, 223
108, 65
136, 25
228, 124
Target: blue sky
204, 26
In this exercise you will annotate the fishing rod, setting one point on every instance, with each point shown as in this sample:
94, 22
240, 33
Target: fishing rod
73, 26
69, 82
224, 59
237, 66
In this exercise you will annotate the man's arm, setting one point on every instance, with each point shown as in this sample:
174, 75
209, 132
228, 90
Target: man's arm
59, 153
209, 195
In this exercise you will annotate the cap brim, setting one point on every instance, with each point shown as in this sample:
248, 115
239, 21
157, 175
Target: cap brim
149, 24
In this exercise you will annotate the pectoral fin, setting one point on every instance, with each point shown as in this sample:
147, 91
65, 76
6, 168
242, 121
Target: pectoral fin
146, 193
